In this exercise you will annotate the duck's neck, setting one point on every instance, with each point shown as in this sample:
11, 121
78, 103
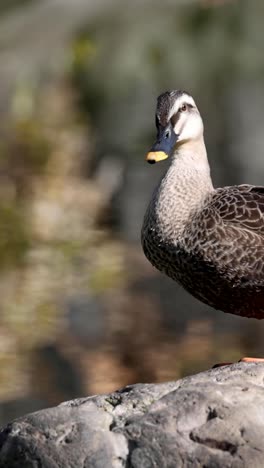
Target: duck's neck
182, 190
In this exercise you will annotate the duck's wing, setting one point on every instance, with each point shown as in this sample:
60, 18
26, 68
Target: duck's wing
233, 231
242, 207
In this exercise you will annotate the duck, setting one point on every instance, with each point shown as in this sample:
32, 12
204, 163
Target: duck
209, 240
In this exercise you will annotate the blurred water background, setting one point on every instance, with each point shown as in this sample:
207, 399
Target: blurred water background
81, 310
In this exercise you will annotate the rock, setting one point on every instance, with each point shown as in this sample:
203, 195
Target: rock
210, 420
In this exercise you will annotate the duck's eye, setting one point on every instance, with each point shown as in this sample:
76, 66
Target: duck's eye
183, 108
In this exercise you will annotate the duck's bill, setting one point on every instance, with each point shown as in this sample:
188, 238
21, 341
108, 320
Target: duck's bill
164, 145
156, 156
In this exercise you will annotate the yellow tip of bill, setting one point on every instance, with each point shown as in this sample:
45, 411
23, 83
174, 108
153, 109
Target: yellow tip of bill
156, 156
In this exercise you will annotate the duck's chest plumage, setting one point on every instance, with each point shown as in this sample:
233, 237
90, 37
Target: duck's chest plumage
174, 252
168, 239
163, 249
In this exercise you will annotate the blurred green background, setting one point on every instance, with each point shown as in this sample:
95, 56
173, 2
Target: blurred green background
81, 310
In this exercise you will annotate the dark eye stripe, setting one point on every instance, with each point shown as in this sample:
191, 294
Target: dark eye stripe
175, 118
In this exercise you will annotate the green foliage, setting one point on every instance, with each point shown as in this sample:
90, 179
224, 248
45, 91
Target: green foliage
31, 145
24, 153
84, 53
14, 235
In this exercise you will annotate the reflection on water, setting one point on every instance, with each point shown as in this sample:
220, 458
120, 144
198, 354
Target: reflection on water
81, 309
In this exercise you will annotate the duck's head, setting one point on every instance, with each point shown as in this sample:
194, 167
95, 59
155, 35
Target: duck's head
178, 121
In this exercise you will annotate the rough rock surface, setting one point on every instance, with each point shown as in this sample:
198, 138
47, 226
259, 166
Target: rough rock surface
210, 420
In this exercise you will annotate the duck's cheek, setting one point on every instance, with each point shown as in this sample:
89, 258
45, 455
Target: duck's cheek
194, 129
